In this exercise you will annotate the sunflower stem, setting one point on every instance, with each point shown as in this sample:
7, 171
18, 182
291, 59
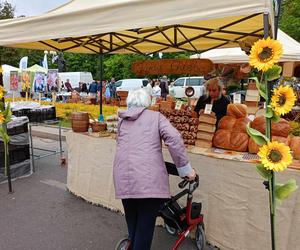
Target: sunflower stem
6, 160
272, 201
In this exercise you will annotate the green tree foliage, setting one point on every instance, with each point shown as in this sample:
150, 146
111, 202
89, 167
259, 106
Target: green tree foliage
290, 18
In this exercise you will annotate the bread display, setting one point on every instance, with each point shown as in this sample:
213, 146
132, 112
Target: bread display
205, 135
205, 127
203, 143
208, 119
232, 133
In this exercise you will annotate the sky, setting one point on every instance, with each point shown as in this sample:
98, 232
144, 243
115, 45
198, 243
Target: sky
34, 7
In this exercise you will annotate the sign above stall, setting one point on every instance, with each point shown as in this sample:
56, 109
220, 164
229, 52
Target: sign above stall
173, 66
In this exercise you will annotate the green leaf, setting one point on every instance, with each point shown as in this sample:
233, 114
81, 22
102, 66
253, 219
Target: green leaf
257, 136
283, 191
267, 174
275, 118
269, 113
261, 87
4, 135
273, 73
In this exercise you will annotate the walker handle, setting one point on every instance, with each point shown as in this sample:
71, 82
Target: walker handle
183, 183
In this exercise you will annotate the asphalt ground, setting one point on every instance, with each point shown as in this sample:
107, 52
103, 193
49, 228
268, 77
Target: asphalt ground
42, 215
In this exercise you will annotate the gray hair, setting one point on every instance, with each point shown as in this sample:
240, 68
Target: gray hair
138, 98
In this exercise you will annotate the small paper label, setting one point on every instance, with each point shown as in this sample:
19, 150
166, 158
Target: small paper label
265, 105
153, 101
178, 105
208, 108
236, 98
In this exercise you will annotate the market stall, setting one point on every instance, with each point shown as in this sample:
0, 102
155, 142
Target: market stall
234, 207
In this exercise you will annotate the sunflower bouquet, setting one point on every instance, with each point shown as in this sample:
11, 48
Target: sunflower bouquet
274, 156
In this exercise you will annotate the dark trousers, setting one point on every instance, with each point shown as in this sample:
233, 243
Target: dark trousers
140, 217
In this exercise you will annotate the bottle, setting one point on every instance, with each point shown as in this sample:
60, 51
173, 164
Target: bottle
90, 130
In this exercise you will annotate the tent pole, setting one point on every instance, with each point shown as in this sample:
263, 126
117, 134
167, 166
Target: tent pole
276, 18
100, 79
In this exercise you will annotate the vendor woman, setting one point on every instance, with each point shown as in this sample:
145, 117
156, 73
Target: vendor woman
214, 95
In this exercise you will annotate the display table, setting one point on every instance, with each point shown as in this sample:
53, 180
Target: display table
235, 203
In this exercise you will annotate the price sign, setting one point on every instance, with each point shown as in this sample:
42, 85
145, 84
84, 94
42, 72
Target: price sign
178, 105
237, 98
208, 109
153, 101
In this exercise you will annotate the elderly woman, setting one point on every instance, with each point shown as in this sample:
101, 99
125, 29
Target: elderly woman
140, 175
214, 96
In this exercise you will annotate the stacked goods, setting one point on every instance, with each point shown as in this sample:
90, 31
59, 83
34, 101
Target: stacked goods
206, 130
185, 122
232, 133
280, 131
112, 123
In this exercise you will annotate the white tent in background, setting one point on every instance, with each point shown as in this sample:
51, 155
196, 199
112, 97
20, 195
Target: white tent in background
291, 52
6, 74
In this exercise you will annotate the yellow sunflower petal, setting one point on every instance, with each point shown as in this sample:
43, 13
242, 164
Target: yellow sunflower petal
283, 100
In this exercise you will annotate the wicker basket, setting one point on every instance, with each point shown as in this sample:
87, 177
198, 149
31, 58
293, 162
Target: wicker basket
98, 126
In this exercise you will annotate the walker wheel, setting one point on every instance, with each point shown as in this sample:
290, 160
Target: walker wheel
200, 237
123, 244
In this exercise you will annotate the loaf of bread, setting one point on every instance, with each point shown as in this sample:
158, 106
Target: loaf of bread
211, 119
203, 143
239, 141
231, 140
281, 128
193, 128
193, 121
206, 127
253, 147
237, 110
205, 135
240, 125
226, 122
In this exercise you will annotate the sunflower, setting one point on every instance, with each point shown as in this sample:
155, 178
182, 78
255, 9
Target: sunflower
2, 118
283, 100
275, 156
264, 53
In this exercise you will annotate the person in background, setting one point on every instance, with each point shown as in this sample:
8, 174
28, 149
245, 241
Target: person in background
84, 88
112, 88
156, 91
214, 95
164, 86
148, 88
140, 176
93, 89
68, 86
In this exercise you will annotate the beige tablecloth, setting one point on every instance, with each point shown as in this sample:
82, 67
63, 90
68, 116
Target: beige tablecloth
235, 204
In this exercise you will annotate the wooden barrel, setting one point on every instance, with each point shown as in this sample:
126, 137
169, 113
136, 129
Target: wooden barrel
80, 121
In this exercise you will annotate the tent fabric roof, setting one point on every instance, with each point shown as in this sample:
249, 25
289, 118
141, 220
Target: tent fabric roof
37, 68
139, 26
291, 52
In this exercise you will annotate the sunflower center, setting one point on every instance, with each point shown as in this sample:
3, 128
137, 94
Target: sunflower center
274, 156
281, 100
265, 54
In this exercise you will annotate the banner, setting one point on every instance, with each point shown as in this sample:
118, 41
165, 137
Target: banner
39, 82
23, 62
13, 80
26, 86
52, 79
45, 62
198, 67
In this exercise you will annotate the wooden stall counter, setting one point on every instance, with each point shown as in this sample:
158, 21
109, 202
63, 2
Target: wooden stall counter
235, 203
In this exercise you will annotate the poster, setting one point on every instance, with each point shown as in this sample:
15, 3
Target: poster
25, 81
13, 80
39, 82
52, 79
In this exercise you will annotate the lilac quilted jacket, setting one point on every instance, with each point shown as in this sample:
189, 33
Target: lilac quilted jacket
139, 169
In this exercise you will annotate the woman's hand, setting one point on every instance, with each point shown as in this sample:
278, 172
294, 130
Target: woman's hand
191, 176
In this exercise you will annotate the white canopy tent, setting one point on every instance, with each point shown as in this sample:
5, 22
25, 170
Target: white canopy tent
139, 26
291, 52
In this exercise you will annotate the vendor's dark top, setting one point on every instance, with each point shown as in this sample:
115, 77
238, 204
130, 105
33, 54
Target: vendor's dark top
219, 106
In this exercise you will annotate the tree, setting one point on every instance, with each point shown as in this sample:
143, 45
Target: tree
290, 18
